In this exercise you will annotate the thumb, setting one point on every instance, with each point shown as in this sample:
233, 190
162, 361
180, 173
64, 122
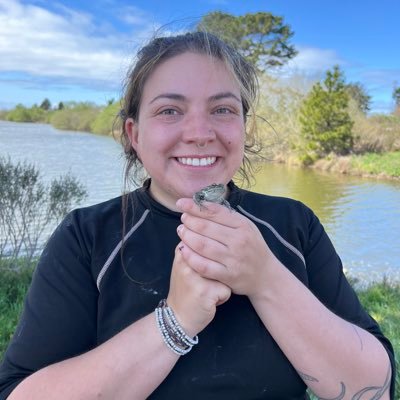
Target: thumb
224, 295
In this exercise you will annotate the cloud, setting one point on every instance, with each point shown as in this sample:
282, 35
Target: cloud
313, 61
63, 44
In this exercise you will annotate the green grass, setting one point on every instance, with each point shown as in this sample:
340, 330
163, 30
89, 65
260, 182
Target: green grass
13, 287
376, 164
382, 301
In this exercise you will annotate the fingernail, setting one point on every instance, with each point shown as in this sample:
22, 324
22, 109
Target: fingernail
179, 229
181, 247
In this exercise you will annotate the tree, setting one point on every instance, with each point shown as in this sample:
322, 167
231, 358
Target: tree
359, 94
60, 105
28, 208
326, 125
396, 95
262, 38
46, 105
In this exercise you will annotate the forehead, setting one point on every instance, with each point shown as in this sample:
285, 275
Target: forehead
191, 73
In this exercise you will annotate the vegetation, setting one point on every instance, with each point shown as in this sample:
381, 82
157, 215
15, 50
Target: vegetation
396, 95
362, 99
326, 126
75, 116
24, 114
13, 287
387, 164
261, 37
105, 120
28, 207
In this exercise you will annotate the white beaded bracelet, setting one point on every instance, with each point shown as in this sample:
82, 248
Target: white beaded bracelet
172, 333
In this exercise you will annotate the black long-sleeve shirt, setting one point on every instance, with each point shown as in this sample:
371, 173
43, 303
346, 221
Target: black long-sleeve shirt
90, 284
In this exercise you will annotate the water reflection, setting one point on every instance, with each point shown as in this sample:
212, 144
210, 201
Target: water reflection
362, 216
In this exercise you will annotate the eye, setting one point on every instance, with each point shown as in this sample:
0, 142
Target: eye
223, 110
169, 111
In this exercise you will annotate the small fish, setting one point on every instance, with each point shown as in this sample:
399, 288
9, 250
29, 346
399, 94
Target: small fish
213, 193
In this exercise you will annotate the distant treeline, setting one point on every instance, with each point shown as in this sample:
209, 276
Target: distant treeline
298, 121
73, 116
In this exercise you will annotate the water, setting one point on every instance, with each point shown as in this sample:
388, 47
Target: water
362, 216
96, 160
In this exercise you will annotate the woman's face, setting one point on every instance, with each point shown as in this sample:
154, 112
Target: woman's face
190, 130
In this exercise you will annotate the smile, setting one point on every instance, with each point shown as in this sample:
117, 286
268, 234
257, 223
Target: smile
197, 162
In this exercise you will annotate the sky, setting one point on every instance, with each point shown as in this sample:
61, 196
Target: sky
80, 50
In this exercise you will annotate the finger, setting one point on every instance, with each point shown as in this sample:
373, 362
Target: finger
212, 211
205, 267
203, 245
224, 295
207, 228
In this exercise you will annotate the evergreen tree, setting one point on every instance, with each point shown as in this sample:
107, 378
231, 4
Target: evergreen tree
358, 92
46, 105
396, 95
261, 37
326, 125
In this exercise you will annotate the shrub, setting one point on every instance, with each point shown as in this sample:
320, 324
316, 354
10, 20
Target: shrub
28, 207
104, 121
74, 116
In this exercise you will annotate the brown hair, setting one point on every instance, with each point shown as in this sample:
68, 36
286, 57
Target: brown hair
163, 48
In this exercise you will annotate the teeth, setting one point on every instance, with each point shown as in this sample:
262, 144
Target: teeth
197, 162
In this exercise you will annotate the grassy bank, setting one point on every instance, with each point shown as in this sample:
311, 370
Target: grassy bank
13, 287
386, 165
380, 165
381, 300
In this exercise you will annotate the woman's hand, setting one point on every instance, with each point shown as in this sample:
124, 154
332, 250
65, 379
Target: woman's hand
192, 297
224, 246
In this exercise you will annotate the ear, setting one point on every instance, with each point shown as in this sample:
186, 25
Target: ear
131, 129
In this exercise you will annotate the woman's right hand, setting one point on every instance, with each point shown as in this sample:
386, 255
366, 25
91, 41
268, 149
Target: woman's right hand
193, 299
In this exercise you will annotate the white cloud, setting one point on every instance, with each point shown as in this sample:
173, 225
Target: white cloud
63, 44
313, 61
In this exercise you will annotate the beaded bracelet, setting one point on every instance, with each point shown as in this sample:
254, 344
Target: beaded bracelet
172, 333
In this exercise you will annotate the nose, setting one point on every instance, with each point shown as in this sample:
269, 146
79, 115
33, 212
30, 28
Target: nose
198, 130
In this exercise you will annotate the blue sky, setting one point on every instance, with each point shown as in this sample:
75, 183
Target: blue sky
80, 50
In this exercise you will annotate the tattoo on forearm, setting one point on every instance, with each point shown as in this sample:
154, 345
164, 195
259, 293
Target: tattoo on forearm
306, 377
341, 395
379, 390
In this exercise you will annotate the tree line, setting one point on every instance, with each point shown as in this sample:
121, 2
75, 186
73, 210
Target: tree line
332, 117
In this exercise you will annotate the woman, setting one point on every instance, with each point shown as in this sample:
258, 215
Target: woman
259, 283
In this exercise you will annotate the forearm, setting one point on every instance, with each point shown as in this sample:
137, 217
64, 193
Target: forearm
334, 357
128, 366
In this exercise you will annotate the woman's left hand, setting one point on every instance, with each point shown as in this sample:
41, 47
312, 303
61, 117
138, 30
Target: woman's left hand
224, 245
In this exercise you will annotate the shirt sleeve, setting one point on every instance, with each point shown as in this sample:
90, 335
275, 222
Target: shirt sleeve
60, 310
328, 282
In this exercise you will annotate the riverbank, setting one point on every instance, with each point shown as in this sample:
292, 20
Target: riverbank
381, 166
369, 165
380, 299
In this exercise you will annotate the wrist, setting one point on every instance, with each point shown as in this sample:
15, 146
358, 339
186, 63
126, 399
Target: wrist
173, 334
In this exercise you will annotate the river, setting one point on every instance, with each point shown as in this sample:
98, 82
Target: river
362, 216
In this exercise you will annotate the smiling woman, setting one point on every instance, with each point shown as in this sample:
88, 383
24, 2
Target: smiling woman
160, 295
190, 127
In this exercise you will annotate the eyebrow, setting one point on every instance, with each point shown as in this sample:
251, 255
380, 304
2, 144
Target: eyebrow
180, 97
